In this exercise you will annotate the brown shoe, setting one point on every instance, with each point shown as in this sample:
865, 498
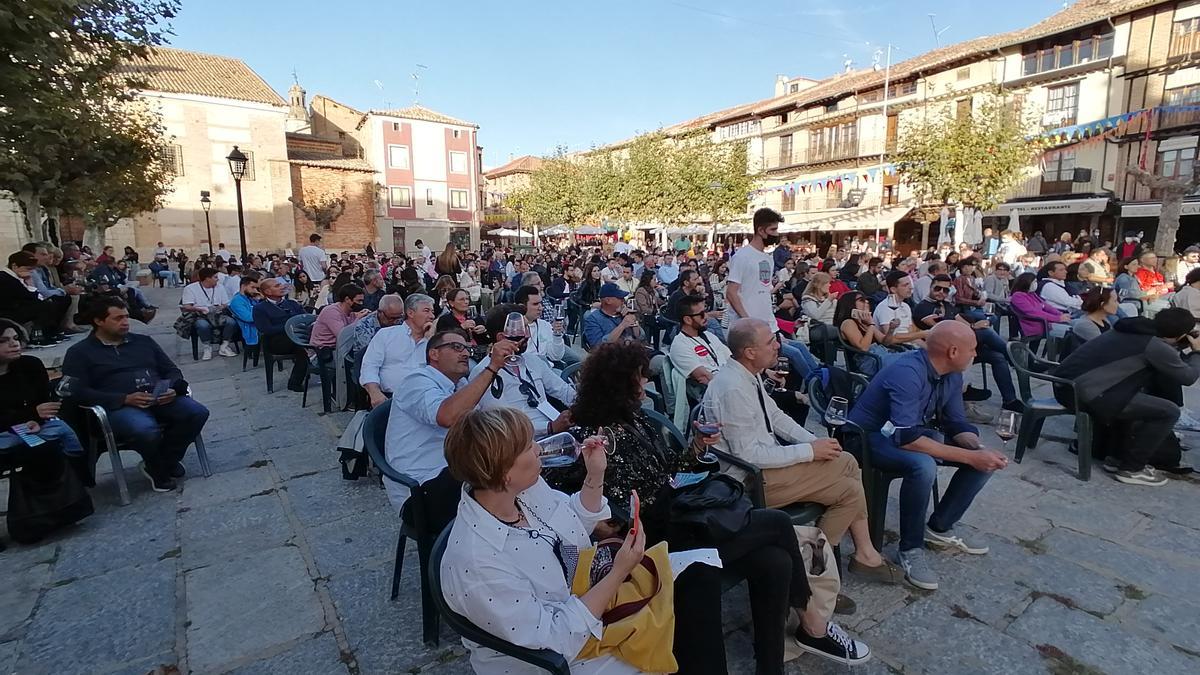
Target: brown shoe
845, 605
885, 572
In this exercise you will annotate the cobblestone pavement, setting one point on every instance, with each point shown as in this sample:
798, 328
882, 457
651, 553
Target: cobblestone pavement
277, 565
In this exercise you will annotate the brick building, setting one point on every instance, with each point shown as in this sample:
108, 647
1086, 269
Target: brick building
320, 174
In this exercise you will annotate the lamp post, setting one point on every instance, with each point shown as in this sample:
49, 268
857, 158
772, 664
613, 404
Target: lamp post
206, 204
237, 167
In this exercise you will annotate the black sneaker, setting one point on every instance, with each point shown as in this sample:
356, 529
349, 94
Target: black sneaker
835, 645
162, 484
1014, 405
298, 388
178, 471
975, 394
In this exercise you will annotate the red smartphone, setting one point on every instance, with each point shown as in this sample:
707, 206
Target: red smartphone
635, 508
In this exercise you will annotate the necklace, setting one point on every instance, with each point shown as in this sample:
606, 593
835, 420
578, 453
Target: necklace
513, 523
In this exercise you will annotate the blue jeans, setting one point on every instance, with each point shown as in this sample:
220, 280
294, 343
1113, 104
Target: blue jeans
160, 433
205, 330
170, 276
918, 472
52, 430
992, 352
802, 360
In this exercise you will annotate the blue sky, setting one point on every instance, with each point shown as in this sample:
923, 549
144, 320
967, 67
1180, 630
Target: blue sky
536, 74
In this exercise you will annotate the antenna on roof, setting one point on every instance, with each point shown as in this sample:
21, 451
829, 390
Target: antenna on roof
937, 34
847, 63
295, 77
416, 76
379, 85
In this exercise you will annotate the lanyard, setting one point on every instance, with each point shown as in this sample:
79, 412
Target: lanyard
762, 403
707, 345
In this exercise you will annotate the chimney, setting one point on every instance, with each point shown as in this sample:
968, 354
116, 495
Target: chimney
780, 85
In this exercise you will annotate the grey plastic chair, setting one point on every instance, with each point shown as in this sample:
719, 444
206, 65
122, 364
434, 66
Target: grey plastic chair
1037, 410
104, 432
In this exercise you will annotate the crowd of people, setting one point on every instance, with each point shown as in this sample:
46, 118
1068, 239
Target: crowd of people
469, 350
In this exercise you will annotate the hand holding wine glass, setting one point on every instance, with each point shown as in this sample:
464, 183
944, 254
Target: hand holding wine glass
1008, 424
515, 330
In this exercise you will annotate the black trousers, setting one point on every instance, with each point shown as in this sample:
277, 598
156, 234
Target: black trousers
442, 493
281, 345
1153, 420
767, 555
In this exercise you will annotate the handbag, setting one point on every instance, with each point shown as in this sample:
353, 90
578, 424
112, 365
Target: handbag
37, 508
639, 623
718, 505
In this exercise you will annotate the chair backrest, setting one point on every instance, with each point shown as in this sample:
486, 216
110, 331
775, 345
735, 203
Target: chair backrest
819, 392
570, 374
374, 431
299, 328
542, 658
1029, 366
666, 427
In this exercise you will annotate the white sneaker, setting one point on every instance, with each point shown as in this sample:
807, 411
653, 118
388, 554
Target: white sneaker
227, 349
206, 353
947, 540
1187, 422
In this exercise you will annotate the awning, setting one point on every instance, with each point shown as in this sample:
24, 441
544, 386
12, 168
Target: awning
844, 220
1047, 207
1153, 209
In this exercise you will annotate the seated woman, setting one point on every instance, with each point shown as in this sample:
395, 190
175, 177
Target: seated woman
818, 303
1188, 297
1029, 307
857, 326
765, 552
25, 397
458, 303
508, 565
1099, 314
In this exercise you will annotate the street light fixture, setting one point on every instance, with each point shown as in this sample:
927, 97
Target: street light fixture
237, 167
206, 204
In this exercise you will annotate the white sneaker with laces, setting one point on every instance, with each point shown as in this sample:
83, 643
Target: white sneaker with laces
948, 540
1148, 476
206, 353
227, 349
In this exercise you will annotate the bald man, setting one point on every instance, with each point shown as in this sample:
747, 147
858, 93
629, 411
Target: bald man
914, 418
270, 317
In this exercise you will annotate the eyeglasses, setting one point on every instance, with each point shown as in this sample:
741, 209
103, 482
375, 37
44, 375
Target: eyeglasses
696, 314
943, 289
456, 347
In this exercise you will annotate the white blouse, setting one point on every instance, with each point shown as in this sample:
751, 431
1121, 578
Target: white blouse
510, 583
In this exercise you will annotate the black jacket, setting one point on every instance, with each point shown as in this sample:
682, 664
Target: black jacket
1109, 370
102, 374
17, 301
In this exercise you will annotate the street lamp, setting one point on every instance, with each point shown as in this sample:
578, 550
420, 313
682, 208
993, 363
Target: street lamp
237, 167
206, 204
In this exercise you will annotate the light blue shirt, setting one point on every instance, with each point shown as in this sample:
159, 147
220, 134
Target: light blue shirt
667, 273
414, 441
41, 281
534, 369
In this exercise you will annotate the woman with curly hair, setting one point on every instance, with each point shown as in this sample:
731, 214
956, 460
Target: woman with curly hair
765, 551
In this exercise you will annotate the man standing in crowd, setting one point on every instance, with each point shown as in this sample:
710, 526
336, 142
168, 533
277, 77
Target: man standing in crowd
527, 384
612, 321
141, 389
223, 253
270, 317
428, 401
1133, 375
913, 414
313, 259
806, 469
207, 299
396, 350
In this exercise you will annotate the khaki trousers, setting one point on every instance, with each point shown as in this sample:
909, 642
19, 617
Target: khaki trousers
835, 484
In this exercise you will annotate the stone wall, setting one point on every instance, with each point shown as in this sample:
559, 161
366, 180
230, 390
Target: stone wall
356, 226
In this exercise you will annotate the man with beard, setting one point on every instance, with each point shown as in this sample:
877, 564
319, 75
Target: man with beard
526, 385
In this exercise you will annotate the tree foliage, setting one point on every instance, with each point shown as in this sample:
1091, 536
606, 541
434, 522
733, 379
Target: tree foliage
656, 178
973, 160
64, 84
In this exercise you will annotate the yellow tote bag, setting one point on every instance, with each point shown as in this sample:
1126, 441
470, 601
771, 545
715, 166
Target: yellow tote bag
639, 624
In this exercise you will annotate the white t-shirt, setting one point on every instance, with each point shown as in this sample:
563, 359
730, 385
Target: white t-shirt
892, 308
689, 353
225, 254
195, 294
754, 271
160, 253
313, 259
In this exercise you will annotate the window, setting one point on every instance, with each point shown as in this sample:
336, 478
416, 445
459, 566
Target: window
1185, 37
1059, 167
789, 201
400, 197
785, 150
1067, 50
458, 162
962, 108
731, 131
783, 119
395, 126
1177, 163
457, 133
793, 88
894, 90
398, 156
963, 74
428, 196
458, 199
172, 156
1061, 105
831, 108
830, 143
1180, 96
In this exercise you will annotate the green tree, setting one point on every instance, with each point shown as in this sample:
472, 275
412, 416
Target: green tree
973, 160
65, 59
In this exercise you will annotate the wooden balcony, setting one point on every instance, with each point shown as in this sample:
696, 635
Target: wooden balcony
1184, 45
1035, 186
1173, 120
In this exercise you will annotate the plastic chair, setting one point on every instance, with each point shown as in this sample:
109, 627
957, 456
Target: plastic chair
1037, 410
542, 658
570, 374
374, 432
295, 324
104, 432
855, 357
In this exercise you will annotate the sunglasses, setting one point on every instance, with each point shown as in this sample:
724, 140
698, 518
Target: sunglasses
943, 289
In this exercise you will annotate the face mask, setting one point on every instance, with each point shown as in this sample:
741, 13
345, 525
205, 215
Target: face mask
1128, 240
771, 239
356, 307
471, 269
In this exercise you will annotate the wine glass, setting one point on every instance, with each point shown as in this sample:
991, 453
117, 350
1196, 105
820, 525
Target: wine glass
784, 367
835, 414
558, 320
558, 450
472, 313
706, 425
515, 330
989, 308
65, 388
1008, 423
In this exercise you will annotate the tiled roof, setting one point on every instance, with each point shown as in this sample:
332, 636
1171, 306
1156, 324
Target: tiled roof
526, 164
182, 72
322, 159
416, 112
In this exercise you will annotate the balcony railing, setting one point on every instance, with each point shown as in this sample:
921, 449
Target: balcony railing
867, 147
1186, 118
1035, 186
814, 203
1184, 44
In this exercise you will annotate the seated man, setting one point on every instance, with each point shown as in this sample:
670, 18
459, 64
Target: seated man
45, 284
428, 401
242, 307
913, 415
270, 318
991, 347
390, 313
806, 469
691, 283
1052, 286
612, 321
526, 385
206, 299
895, 306
346, 309
121, 371
1117, 376
21, 302
372, 290
545, 340
396, 351
693, 353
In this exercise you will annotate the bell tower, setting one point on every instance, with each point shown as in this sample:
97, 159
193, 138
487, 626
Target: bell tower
297, 117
